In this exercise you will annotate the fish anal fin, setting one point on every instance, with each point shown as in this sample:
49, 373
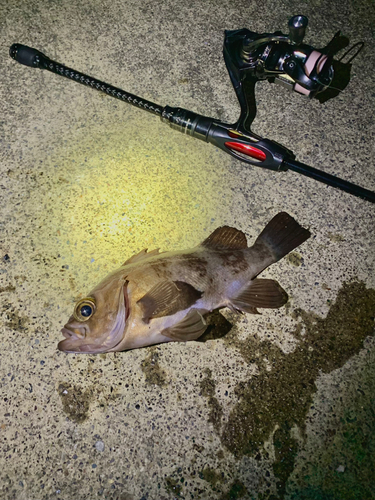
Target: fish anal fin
263, 293
191, 327
142, 255
167, 298
226, 237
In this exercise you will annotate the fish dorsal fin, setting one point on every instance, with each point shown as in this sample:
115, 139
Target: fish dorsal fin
226, 237
142, 255
167, 298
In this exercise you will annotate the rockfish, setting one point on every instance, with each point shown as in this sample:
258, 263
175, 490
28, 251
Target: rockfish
163, 297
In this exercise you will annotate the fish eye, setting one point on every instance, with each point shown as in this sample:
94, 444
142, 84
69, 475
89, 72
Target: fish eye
84, 309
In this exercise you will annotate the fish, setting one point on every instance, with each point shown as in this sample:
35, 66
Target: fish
157, 297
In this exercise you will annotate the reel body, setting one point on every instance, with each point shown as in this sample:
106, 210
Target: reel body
275, 57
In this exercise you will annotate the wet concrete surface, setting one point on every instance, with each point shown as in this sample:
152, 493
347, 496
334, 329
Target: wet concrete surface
275, 406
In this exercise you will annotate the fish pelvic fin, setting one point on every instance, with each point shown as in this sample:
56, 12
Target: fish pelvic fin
262, 293
167, 298
226, 237
191, 327
280, 236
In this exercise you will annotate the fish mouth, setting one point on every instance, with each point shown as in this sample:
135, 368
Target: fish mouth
68, 333
74, 342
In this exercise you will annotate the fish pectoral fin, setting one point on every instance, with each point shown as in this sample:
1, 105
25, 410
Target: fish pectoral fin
190, 327
263, 293
142, 255
167, 298
226, 237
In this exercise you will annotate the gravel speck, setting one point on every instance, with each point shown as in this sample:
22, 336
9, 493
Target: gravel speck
99, 445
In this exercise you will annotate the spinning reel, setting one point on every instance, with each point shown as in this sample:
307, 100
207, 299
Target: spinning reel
249, 57
281, 58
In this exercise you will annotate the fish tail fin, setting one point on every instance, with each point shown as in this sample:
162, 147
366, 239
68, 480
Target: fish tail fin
281, 235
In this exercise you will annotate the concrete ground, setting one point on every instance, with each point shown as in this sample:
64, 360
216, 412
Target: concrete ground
281, 406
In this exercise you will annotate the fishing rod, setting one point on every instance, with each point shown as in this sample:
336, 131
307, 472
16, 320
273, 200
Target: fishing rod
249, 57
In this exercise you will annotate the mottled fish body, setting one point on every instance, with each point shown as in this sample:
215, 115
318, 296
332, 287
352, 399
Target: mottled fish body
163, 297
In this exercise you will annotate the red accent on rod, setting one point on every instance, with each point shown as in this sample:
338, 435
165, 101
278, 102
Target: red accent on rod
233, 134
247, 150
